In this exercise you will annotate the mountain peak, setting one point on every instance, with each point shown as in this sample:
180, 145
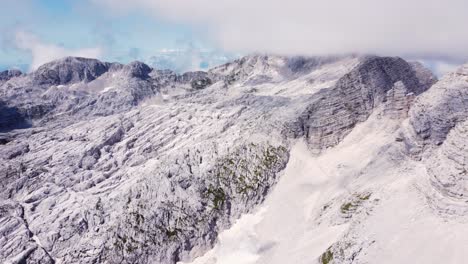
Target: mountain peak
137, 69
69, 70
8, 74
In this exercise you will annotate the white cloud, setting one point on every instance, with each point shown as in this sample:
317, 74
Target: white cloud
189, 59
439, 67
44, 52
416, 28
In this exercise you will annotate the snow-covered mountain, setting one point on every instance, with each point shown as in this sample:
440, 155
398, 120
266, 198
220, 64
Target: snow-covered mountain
266, 159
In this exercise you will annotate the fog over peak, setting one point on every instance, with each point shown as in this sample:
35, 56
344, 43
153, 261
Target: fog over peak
42, 52
423, 29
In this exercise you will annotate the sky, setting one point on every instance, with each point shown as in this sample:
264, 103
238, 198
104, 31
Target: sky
33, 32
200, 33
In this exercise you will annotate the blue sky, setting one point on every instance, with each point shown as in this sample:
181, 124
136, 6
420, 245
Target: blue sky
210, 31
75, 25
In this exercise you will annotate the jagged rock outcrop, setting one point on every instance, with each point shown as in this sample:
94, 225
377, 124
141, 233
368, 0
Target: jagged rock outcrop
435, 135
253, 69
258, 69
436, 112
205, 205
69, 70
137, 69
197, 80
334, 112
87, 87
8, 74
398, 101
448, 168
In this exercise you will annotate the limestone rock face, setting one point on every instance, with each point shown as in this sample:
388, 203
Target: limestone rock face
69, 70
398, 101
8, 74
448, 167
375, 82
137, 69
84, 88
435, 113
128, 164
198, 80
22, 246
436, 134
258, 69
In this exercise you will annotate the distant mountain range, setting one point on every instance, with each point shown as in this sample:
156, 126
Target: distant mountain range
177, 60
21, 67
188, 60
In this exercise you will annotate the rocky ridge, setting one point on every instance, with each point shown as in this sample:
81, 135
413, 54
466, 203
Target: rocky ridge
129, 164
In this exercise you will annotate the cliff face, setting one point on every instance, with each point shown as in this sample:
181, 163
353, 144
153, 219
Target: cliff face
70, 70
128, 164
438, 111
395, 174
333, 113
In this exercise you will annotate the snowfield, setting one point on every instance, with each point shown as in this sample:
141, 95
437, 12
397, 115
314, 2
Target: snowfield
305, 215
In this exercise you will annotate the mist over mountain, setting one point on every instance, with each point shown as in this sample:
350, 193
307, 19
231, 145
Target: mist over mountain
181, 61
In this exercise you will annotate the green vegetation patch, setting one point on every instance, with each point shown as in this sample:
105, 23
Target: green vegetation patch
347, 207
357, 200
326, 257
218, 196
246, 170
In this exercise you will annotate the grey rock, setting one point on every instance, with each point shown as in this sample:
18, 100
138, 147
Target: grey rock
437, 111
448, 167
11, 118
137, 69
334, 112
69, 70
126, 164
436, 135
8, 74
398, 101
198, 80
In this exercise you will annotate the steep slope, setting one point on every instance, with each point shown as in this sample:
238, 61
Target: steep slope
436, 134
138, 165
392, 191
335, 112
316, 202
437, 112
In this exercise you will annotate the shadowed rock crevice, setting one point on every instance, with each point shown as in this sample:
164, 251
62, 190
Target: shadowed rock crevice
12, 118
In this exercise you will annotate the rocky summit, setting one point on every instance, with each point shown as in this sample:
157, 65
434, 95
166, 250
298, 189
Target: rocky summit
266, 159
